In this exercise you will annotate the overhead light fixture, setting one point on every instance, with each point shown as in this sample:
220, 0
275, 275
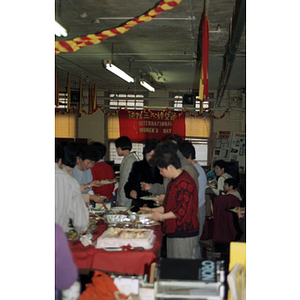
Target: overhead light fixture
112, 68
147, 85
60, 28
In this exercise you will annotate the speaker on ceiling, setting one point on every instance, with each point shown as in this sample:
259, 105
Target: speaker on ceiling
75, 96
188, 99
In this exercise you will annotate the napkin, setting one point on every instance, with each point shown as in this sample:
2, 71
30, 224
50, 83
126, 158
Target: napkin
86, 239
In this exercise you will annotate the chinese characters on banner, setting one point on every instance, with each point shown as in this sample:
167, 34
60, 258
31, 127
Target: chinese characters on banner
140, 127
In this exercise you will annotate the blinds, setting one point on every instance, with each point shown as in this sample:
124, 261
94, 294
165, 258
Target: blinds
197, 127
65, 125
113, 131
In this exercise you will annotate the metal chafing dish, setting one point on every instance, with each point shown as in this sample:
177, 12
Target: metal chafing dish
114, 218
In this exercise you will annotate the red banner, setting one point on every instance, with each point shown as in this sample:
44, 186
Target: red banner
140, 127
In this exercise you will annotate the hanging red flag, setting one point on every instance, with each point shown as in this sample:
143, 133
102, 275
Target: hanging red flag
203, 86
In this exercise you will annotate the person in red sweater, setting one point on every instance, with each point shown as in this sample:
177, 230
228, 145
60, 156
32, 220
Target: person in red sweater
102, 170
179, 211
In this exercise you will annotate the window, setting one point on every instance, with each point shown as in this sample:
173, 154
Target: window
178, 103
63, 99
201, 148
134, 101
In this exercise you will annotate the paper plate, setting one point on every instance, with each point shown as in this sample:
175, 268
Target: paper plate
149, 197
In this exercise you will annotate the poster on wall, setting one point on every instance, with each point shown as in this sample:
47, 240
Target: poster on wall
238, 150
222, 146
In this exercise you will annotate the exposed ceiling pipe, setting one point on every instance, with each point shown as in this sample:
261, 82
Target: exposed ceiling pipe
231, 50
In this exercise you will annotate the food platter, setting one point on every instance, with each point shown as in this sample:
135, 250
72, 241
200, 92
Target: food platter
113, 218
107, 181
149, 197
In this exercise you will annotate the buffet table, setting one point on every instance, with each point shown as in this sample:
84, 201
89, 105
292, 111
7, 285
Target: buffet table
129, 262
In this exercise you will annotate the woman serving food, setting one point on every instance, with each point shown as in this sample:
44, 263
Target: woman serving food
179, 211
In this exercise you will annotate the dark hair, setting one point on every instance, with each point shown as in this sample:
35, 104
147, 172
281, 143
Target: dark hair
59, 152
167, 144
87, 152
71, 150
187, 149
165, 155
222, 164
175, 137
100, 148
123, 142
231, 181
149, 146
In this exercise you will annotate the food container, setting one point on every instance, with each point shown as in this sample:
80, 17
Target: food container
117, 218
72, 236
99, 208
118, 209
92, 228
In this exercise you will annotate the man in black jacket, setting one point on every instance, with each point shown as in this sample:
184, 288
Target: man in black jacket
144, 171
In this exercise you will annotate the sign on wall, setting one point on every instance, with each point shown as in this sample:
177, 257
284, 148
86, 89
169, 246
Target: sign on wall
222, 146
238, 149
151, 125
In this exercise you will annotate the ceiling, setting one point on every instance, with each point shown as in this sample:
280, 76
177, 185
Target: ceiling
163, 51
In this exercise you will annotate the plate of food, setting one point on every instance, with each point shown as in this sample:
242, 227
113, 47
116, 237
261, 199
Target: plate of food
235, 210
107, 181
150, 197
72, 235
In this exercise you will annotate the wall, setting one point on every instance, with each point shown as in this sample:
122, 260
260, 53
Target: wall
92, 126
236, 119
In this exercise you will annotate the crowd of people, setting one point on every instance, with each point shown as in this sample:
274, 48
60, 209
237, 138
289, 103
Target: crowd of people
185, 193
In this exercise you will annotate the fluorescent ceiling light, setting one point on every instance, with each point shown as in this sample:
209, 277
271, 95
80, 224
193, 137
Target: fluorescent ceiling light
112, 68
60, 30
147, 86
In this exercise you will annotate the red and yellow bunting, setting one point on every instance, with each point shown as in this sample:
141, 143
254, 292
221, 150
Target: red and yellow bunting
93, 39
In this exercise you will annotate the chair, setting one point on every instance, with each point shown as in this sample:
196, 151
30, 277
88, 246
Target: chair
226, 227
233, 170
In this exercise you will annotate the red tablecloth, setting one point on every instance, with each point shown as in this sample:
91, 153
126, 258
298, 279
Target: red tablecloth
130, 262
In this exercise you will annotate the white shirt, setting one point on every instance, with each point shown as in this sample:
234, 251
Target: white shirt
125, 169
220, 186
202, 180
69, 203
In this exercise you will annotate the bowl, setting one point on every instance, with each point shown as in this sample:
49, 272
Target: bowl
72, 235
92, 228
118, 209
